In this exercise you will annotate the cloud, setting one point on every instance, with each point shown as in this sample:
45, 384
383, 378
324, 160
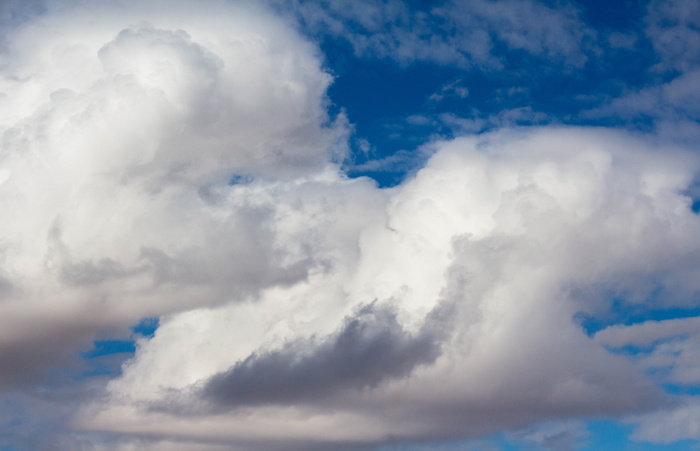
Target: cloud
169, 160
672, 27
668, 350
668, 100
670, 425
518, 231
450, 89
120, 132
556, 436
478, 33
671, 101
370, 347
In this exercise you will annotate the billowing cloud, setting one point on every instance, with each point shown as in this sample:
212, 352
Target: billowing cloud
163, 159
119, 139
516, 232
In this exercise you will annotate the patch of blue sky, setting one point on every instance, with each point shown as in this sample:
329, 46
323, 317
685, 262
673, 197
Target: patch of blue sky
693, 194
627, 313
622, 16
146, 327
638, 350
106, 356
240, 179
681, 390
395, 107
379, 96
107, 347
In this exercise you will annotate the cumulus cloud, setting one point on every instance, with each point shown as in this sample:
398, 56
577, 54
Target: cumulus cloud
517, 232
119, 138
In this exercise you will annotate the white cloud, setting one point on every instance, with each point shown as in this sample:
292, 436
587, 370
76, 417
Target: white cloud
503, 237
120, 132
670, 425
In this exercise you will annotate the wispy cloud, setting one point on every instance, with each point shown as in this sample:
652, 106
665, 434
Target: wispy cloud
465, 33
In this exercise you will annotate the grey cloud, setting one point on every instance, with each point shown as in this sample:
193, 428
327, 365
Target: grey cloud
556, 34
371, 346
94, 273
14, 12
674, 29
26, 360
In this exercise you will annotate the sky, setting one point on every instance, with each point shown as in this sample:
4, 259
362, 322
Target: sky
332, 225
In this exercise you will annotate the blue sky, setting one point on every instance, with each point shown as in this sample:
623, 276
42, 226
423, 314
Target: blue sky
410, 99
373, 225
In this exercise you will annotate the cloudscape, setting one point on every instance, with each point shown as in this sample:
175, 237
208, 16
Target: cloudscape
349, 225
